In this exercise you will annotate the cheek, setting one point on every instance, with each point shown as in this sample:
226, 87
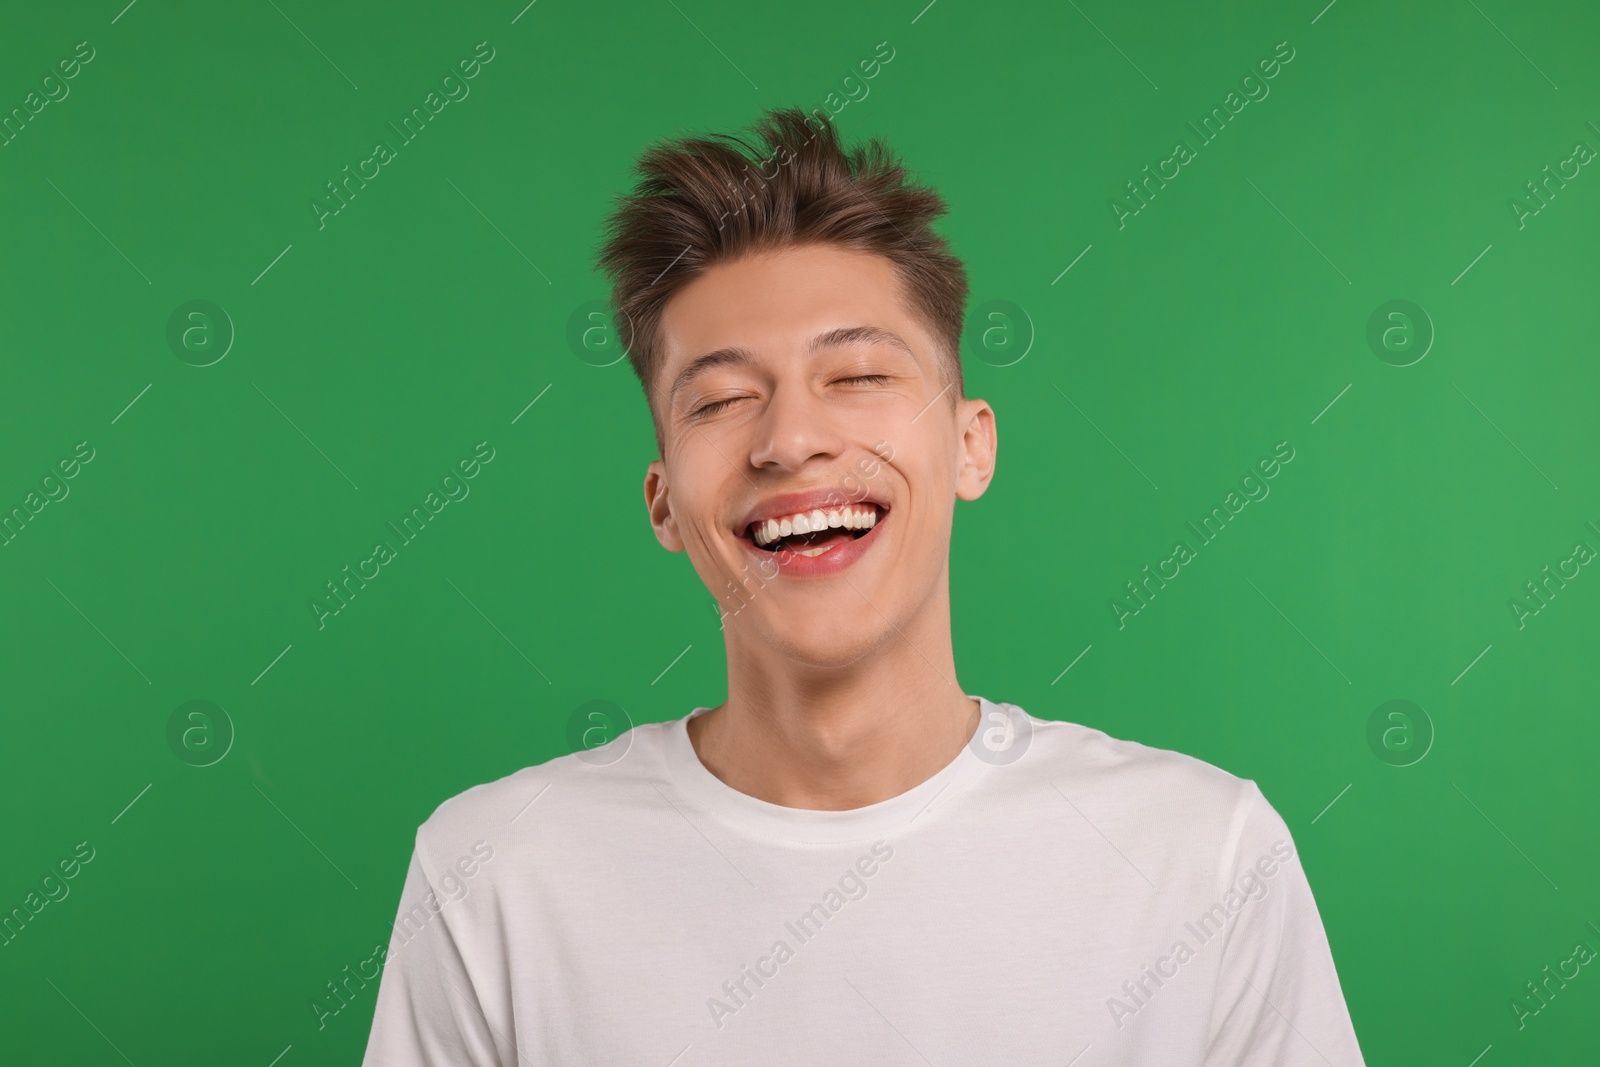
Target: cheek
699, 500
702, 539
927, 464
922, 482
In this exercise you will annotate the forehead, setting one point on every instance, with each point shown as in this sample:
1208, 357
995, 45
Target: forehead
778, 300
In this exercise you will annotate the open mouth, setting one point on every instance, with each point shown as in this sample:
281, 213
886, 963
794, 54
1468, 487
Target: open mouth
812, 533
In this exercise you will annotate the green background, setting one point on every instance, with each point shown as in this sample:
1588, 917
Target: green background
376, 351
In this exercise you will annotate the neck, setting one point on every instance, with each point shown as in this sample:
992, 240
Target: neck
832, 739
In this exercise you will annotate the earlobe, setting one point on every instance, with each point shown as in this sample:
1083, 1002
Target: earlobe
657, 504
979, 445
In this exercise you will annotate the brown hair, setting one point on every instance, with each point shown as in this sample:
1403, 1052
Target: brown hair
703, 200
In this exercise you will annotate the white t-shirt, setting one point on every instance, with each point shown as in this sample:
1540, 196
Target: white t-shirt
1052, 896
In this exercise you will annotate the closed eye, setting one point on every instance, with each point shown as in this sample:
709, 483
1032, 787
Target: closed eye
712, 408
707, 410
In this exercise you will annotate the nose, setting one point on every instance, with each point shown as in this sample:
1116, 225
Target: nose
795, 428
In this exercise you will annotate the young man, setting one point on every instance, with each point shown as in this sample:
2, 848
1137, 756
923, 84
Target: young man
851, 859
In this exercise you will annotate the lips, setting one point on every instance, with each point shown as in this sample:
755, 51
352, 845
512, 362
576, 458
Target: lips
827, 554
811, 533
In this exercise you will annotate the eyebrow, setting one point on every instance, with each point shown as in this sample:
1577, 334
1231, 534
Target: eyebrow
858, 335
835, 338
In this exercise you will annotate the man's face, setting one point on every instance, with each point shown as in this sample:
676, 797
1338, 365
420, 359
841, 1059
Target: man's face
800, 383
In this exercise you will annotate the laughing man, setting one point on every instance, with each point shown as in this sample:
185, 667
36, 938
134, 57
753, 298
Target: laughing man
851, 859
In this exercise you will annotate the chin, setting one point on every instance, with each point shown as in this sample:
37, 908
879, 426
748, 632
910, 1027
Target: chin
823, 643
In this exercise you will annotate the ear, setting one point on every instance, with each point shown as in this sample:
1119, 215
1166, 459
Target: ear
979, 443
658, 504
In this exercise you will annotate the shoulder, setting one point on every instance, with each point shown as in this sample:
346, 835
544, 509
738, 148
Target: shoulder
495, 814
1142, 775
1185, 823
1159, 793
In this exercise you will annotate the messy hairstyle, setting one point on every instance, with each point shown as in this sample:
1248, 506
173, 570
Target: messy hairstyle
702, 200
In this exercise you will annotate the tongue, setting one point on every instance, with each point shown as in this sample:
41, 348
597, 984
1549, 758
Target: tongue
825, 539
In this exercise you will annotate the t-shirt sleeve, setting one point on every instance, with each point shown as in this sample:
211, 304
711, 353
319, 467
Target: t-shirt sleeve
1278, 1000
428, 1013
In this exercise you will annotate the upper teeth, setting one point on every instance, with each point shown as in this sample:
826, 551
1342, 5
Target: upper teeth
864, 517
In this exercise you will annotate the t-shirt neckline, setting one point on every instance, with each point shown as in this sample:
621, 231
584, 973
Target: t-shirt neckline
759, 818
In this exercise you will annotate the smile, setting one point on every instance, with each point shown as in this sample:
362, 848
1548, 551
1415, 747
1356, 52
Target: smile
812, 533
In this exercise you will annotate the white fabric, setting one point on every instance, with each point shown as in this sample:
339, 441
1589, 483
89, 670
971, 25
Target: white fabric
1095, 898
